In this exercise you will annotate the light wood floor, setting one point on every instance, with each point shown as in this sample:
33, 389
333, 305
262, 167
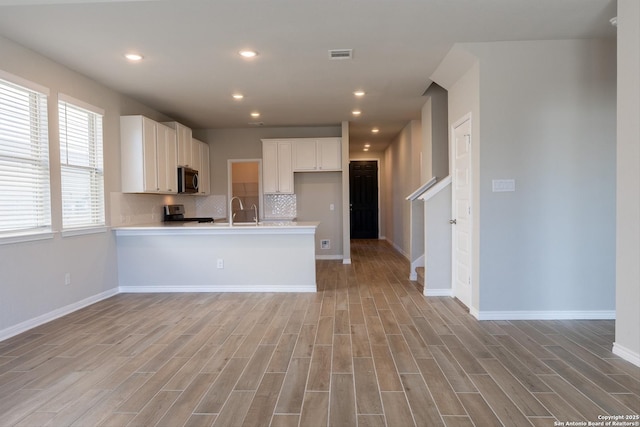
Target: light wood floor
366, 350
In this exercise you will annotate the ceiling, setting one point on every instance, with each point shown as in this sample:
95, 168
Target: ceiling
191, 65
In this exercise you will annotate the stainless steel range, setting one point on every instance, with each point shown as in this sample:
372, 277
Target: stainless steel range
175, 213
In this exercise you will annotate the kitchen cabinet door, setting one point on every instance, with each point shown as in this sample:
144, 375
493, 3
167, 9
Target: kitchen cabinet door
317, 154
204, 174
184, 143
196, 155
277, 167
148, 156
138, 155
304, 155
285, 168
329, 154
166, 146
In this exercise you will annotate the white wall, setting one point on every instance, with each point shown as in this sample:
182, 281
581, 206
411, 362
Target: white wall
627, 342
32, 273
315, 192
543, 113
435, 141
400, 178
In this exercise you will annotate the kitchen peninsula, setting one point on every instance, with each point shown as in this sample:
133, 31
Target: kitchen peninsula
194, 257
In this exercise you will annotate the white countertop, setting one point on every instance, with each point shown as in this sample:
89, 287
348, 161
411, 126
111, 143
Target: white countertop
264, 227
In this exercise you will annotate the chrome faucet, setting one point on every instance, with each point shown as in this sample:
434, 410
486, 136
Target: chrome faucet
255, 213
231, 214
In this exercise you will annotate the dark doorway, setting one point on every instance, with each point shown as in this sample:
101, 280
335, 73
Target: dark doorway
363, 192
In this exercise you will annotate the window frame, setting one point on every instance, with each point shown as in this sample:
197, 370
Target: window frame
44, 231
98, 169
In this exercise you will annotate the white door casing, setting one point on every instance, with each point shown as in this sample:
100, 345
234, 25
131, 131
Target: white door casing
461, 209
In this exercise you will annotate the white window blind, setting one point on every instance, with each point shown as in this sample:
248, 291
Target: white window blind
81, 166
25, 205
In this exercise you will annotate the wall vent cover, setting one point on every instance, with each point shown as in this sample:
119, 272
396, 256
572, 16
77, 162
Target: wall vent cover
340, 53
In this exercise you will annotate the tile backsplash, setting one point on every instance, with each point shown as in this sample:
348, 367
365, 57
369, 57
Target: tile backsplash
135, 209
280, 206
212, 206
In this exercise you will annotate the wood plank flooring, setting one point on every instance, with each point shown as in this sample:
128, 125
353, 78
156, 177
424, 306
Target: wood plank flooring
366, 350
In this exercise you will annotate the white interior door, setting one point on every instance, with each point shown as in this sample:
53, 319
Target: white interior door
461, 221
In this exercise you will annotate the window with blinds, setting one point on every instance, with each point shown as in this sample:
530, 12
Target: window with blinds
81, 164
25, 205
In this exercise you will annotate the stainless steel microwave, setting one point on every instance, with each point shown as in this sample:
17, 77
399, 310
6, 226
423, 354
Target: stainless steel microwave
187, 180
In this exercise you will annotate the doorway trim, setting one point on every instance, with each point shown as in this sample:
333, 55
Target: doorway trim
230, 162
380, 236
452, 158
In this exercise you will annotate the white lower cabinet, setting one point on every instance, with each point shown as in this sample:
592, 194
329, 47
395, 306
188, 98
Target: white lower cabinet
148, 156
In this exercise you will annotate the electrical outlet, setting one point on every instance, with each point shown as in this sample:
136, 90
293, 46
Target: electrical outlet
325, 244
67, 278
220, 263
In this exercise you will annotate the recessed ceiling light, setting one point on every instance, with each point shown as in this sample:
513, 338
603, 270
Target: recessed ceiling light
367, 145
237, 96
133, 56
359, 93
356, 112
248, 53
375, 130
365, 149
255, 114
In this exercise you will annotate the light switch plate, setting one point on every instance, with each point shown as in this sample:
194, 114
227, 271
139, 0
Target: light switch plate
502, 185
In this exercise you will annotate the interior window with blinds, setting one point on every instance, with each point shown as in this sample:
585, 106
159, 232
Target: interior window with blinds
25, 205
81, 165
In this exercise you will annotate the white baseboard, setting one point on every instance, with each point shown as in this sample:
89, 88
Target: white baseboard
399, 249
626, 354
346, 261
52, 315
329, 257
545, 315
438, 292
217, 288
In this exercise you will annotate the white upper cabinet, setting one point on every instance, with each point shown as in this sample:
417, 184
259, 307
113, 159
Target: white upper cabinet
304, 155
166, 146
277, 171
317, 154
329, 152
148, 156
185, 144
204, 174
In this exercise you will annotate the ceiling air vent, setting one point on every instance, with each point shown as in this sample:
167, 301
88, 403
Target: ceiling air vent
340, 53
256, 123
